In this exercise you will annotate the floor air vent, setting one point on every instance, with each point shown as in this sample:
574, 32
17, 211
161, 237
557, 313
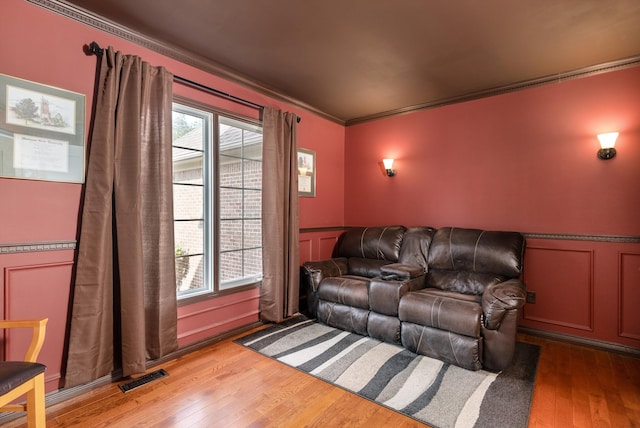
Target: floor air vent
143, 380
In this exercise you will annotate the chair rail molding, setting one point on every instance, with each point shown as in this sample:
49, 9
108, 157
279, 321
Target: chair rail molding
31, 247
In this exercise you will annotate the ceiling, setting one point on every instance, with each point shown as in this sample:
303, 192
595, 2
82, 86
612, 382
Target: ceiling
353, 60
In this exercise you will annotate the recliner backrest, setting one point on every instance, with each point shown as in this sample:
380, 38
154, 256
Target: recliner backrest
415, 246
378, 243
469, 260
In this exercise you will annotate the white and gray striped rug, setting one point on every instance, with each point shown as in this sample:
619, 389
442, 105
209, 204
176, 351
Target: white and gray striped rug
426, 389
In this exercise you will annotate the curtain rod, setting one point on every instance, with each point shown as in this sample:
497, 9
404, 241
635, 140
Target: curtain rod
95, 49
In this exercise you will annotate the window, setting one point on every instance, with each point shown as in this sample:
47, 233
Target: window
240, 198
217, 186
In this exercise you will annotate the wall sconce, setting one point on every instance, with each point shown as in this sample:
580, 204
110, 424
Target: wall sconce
607, 145
388, 166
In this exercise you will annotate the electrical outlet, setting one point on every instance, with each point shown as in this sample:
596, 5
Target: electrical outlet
531, 297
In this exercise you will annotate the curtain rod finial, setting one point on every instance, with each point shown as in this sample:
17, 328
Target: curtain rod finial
93, 49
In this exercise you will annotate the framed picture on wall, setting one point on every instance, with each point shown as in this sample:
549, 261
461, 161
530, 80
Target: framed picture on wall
306, 173
41, 131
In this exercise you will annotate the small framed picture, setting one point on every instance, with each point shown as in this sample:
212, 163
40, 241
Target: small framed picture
41, 131
306, 173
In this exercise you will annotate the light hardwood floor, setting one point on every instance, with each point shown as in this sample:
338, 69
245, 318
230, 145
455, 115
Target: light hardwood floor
226, 385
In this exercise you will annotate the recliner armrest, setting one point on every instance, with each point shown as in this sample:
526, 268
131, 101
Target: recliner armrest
497, 299
315, 271
400, 271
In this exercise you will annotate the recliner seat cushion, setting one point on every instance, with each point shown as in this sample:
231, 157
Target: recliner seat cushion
464, 282
453, 294
366, 267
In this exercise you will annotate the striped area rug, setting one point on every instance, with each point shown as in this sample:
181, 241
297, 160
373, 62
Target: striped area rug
426, 389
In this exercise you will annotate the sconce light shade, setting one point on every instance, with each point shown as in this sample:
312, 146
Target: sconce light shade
388, 166
607, 145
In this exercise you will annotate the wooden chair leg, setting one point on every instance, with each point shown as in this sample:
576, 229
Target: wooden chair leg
36, 411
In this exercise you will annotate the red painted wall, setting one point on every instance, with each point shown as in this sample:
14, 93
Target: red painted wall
523, 161
49, 50
327, 208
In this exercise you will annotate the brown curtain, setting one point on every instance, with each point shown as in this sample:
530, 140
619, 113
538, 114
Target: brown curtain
124, 298
280, 245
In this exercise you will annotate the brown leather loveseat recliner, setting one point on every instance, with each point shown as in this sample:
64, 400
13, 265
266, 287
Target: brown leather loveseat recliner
451, 294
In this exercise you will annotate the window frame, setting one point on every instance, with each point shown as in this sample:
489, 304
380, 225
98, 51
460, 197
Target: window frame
211, 177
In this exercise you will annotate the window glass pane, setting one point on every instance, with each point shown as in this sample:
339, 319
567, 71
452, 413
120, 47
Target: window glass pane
230, 141
187, 166
230, 235
253, 145
189, 237
230, 266
230, 171
253, 263
190, 274
188, 130
240, 201
188, 202
252, 204
231, 203
252, 232
252, 174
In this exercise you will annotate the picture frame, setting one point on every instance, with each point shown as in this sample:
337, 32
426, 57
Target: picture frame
306, 173
42, 131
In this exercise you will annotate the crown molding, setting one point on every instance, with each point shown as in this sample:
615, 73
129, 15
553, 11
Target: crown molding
76, 13
83, 16
556, 78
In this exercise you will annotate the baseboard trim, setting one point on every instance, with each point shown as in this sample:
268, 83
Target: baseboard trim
64, 394
56, 397
203, 344
576, 340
